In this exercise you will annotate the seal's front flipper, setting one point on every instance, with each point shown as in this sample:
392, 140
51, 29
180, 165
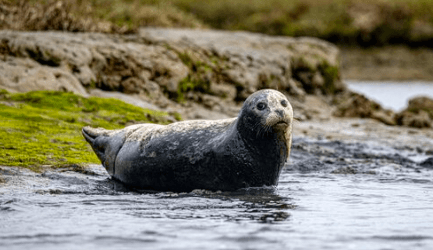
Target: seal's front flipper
106, 145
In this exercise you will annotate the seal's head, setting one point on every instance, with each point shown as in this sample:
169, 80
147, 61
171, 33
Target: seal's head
266, 112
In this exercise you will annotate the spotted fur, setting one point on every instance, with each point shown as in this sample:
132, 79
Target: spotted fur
228, 154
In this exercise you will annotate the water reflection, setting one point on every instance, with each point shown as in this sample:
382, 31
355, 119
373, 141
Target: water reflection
260, 204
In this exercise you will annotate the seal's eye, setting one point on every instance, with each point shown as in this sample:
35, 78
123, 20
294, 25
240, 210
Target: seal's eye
284, 103
261, 106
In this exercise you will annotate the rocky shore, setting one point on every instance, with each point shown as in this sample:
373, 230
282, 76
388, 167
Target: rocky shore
199, 74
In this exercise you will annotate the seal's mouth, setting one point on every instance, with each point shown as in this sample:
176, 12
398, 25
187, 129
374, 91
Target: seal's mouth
281, 124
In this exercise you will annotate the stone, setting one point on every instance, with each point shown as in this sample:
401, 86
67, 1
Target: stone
23, 75
420, 119
131, 99
250, 61
418, 114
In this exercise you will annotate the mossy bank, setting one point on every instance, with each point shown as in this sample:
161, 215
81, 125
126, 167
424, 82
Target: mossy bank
44, 127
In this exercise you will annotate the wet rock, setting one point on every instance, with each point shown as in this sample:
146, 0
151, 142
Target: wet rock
357, 105
428, 163
418, 114
420, 119
274, 217
309, 165
344, 170
385, 116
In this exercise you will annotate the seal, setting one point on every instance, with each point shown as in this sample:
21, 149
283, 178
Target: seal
229, 154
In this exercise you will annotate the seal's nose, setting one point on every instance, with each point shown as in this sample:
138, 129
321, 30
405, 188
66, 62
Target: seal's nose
280, 112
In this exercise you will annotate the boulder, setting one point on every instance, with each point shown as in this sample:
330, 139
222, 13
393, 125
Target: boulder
418, 114
357, 105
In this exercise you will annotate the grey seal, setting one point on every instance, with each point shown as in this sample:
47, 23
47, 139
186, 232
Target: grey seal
229, 154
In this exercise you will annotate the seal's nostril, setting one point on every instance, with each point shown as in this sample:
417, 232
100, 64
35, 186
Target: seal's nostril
279, 112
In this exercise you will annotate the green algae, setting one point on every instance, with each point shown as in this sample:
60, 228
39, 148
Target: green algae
44, 127
196, 80
330, 74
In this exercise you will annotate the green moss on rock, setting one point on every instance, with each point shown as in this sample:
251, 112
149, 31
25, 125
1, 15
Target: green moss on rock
44, 127
331, 75
196, 80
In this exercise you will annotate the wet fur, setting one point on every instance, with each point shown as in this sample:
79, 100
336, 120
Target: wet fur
247, 151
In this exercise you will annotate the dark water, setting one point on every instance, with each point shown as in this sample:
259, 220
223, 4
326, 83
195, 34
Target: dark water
333, 195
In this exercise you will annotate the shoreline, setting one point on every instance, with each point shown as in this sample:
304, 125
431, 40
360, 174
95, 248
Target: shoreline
345, 130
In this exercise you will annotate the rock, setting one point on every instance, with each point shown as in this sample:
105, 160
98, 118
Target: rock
421, 103
384, 116
85, 75
223, 90
106, 60
344, 170
252, 61
357, 105
428, 163
420, 119
23, 75
198, 112
178, 64
418, 114
131, 99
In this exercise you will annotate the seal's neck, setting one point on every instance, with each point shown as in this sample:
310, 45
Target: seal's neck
258, 138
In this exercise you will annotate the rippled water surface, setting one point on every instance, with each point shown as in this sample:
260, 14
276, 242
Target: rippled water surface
332, 195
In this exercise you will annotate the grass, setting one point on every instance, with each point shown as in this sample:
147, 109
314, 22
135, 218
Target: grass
355, 22
107, 16
360, 22
44, 127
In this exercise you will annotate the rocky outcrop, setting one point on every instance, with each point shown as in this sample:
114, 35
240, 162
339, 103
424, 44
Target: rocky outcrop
418, 114
170, 67
235, 64
356, 105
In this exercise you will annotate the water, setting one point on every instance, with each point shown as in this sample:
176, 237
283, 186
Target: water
392, 95
332, 195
